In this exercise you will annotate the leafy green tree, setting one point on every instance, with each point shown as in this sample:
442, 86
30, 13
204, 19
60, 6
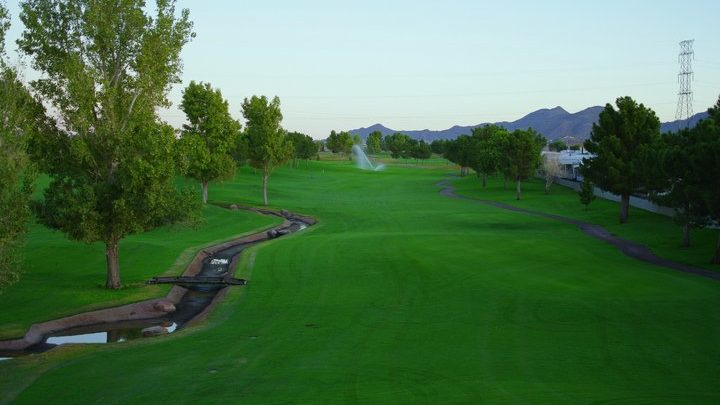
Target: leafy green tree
374, 142
303, 145
421, 151
268, 144
486, 150
619, 141
586, 193
399, 145
356, 139
672, 179
522, 151
340, 142
209, 137
438, 146
710, 130
22, 117
460, 152
106, 67
557, 145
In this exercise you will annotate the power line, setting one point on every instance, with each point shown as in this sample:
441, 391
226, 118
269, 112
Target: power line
685, 77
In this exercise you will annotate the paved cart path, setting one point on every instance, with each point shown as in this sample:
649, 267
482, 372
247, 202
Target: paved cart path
629, 248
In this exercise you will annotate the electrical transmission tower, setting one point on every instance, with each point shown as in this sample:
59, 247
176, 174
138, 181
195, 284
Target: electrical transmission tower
685, 77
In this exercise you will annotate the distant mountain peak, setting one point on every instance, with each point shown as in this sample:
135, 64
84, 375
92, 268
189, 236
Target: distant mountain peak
553, 123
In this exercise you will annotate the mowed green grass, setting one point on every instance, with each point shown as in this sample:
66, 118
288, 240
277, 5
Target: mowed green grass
401, 295
63, 277
660, 233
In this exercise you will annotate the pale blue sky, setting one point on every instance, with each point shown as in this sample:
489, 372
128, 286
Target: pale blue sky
432, 64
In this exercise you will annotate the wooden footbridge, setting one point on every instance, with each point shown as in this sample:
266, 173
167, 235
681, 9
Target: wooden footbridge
184, 280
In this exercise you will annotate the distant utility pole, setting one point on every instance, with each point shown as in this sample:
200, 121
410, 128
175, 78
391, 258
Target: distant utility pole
685, 77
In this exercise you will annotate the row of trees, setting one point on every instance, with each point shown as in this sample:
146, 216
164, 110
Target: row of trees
492, 149
680, 169
399, 145
106, 67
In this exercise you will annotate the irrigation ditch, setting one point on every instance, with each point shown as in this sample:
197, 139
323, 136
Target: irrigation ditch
194, 294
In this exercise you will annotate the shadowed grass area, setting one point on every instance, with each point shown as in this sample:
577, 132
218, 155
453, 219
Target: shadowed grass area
401, 295
658, 232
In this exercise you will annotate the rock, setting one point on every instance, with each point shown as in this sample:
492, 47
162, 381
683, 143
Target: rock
164, 306
154, 331
234, 207
285, 213
272, 234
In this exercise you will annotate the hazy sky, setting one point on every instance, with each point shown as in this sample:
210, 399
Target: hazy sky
433, 64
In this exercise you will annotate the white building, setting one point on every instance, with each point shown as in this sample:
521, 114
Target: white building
570, 161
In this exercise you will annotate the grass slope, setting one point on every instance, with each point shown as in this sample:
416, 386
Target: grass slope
402, 295
64, 277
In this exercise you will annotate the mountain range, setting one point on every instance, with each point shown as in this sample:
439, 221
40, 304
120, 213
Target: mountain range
553, 123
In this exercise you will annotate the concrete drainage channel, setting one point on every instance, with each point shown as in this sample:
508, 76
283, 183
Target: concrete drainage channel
194, 294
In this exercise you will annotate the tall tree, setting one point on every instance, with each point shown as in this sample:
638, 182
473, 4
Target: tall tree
438, 146
620, 139
486, 150
399, 145
106, 66
459, 151
421, 150
374, 142
675, 178
303, 145
209, 137
523, 155
21, 116
268, 145
340, 142
710, 129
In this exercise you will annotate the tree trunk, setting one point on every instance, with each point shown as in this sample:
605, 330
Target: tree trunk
517, 190
484, 180
716, 258
205, 191
624, 207
113, 265
548, 183
265, 184
686, 235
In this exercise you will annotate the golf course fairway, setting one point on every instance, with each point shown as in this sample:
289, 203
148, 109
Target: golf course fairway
398, 295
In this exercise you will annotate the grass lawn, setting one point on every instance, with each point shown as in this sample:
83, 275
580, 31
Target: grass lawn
401, 295
660, 233
63, 277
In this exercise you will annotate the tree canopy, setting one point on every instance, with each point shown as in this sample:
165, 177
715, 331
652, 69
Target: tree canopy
522, 155
340, 142
486, 146
210, 135
620, 141
268, 144
374, 142
304, 147
22, 117
106, 66
399, 145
